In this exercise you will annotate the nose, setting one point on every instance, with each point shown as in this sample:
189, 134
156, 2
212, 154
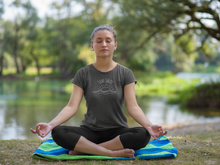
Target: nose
103, 43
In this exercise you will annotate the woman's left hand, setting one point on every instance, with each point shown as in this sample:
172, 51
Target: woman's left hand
156, 131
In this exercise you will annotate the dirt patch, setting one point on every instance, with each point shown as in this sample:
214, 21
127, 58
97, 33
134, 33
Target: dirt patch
183, 130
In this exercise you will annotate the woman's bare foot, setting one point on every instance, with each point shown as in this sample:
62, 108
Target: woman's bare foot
128, 153
72, 152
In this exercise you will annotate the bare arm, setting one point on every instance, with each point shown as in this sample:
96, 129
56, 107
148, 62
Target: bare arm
70, 109
42, 129
138, 115
133, 108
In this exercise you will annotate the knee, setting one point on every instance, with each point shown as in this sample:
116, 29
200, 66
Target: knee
143, 138
56, 132
59, 136
137, 138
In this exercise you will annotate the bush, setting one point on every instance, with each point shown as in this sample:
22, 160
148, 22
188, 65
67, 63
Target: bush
201, 96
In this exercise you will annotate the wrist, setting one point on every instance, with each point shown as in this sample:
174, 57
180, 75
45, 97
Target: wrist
149, 126
51, 125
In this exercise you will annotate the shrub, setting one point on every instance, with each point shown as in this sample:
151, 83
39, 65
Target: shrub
201, 96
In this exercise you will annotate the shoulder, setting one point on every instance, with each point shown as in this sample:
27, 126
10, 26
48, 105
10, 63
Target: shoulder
126, 75
81, 76
84, 69
82, 73
124, 69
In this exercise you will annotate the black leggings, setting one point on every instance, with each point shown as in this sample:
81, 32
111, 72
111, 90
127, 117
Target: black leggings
133, 138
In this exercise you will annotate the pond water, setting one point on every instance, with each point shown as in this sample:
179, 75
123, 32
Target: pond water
23, 104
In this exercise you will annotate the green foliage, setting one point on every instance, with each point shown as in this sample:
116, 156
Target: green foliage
147, 35
86, 55
1, 8
168, 86
201, 96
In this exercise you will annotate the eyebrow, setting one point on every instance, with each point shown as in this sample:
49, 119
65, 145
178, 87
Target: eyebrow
102, 38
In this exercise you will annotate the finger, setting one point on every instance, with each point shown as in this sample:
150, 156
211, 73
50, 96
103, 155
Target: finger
33, 131
42, 135
161, 133
37, 127
158, 126
165, 132
156, 138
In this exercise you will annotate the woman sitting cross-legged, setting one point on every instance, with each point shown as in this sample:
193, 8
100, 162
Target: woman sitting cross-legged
105, 85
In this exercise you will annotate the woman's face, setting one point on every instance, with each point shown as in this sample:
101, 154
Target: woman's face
103, 43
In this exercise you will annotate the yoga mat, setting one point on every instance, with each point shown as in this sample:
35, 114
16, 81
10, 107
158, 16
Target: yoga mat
49, 150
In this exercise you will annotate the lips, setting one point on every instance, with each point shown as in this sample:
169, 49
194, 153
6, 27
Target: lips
104, 50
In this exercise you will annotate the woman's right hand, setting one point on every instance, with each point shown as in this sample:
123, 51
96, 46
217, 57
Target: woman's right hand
42, 129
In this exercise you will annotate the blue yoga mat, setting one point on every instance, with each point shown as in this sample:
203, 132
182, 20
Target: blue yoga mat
49, 150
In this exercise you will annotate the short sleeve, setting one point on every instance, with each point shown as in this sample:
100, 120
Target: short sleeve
128, 76
79, 78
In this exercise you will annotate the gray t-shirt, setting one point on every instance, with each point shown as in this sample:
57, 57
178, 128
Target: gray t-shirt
104, 95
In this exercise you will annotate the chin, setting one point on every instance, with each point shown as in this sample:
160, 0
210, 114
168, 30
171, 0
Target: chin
104, 55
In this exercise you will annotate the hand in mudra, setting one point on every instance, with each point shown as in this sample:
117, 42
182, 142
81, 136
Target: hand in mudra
42, 129
156, 131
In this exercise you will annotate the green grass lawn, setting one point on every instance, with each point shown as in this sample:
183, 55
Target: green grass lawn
199, 148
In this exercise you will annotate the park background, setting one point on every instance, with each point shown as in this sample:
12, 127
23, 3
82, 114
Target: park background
172, 47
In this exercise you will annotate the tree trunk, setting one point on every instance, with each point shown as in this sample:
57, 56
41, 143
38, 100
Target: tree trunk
36, 60
23, 66
38, 66
1, 61
15, 47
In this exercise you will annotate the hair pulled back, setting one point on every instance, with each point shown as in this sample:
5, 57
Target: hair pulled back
104, 27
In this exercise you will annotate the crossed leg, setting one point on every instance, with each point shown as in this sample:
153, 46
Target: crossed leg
81, 140
112, 148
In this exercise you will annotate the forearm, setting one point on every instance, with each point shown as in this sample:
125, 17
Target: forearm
66, 113
138, 115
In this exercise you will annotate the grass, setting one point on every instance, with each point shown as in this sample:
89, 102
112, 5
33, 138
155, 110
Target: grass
200, 148
31, 71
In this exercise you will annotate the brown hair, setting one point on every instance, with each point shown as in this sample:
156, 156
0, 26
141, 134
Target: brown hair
105, 27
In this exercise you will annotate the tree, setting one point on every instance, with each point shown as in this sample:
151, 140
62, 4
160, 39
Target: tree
1, 40
1, 8
177, 17
23, 31
67, 32
62, 24
197, 12
6, 38
29, 25
17, 4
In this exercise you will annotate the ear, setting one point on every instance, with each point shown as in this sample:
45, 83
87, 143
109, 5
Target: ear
116, 44
92, 49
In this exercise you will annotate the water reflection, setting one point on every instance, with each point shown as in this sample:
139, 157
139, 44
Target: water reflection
162, 114
25, 103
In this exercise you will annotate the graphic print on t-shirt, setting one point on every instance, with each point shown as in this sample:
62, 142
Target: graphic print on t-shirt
105, 87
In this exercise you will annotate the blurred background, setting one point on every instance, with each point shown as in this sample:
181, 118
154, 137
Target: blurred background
173, 48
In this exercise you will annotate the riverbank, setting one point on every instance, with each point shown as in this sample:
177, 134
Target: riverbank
187, 129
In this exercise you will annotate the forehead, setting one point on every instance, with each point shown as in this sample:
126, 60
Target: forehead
103, 34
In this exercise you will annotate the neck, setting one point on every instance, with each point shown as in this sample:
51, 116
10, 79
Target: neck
104, 65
